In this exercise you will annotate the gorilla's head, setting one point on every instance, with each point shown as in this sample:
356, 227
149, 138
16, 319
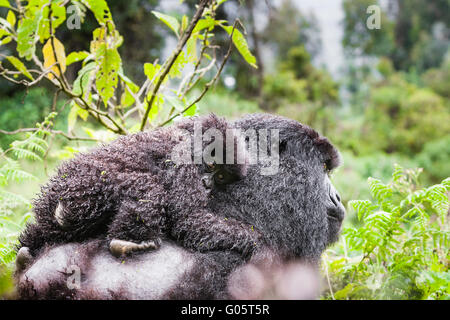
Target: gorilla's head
297, 208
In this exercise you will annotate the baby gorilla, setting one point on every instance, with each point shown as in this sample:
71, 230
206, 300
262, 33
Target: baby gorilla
134, 192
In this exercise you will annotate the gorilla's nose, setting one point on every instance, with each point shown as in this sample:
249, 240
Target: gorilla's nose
335, 208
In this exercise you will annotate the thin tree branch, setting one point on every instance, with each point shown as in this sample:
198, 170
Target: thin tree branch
210, 83
65, 135
169, 63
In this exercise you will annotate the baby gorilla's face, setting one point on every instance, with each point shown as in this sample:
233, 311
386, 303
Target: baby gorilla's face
220, 174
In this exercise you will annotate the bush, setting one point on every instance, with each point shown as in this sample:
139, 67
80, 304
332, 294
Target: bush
24, 110
439, 79
402, 249
402, 117
298, 81
434, 158
15, 208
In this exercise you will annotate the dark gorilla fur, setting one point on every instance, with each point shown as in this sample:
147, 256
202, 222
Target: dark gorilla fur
131, 190
298, 211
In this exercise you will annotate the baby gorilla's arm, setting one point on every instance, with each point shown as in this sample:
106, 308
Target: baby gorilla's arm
137, 227
205, 231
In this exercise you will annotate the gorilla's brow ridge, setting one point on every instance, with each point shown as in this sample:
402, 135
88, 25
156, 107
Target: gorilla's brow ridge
330, 155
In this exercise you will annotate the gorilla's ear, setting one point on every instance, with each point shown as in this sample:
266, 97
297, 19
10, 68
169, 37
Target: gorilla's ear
283, 146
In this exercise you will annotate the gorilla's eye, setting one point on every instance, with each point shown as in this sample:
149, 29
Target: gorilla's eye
326, 168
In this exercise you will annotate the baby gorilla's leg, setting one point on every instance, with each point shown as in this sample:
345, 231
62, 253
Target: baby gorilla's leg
134, 229
121, 248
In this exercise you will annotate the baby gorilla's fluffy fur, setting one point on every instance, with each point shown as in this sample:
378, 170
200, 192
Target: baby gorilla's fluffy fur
131, 191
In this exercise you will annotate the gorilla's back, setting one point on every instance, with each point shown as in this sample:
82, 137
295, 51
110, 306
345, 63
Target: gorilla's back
89, 271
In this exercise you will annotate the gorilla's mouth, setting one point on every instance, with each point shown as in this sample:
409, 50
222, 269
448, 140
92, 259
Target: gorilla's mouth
335, 216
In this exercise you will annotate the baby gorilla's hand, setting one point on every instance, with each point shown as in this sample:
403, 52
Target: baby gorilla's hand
265, 257
120, 248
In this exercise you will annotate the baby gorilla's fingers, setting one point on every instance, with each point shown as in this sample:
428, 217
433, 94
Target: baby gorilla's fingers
121, 248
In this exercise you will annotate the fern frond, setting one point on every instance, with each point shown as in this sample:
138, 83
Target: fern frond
362, 207
379, 190
26, 154
437, 196
398, 173
12, 199
446, 183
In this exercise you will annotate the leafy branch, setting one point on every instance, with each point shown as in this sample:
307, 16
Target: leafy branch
95, 92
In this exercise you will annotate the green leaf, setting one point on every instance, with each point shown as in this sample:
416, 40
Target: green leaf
76, 57
26, 38
184, 23
58, 17
5, 41
74, 113
81, 84
219, 2
170, 21
192, 111
241, 44
127, 98
191, 49
157, 105
150, 70
101, 36
206, 23
109, 62
20, 66
100, 9
4, 33
178, 65
11, 18
5, 3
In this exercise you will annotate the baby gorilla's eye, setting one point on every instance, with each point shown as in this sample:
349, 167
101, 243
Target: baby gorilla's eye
221, 178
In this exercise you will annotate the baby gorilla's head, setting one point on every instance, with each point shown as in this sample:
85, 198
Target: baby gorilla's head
215, 148
219, 175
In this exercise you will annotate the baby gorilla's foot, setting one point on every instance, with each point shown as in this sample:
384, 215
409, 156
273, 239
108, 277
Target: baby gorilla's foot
121, 248
23, 259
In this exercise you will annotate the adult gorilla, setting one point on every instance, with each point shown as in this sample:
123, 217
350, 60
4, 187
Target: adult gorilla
297, 209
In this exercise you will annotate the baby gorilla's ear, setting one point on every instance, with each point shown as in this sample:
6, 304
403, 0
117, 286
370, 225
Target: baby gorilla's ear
212, 121
224, 153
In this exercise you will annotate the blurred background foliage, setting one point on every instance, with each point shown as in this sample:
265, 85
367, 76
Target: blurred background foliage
389, 103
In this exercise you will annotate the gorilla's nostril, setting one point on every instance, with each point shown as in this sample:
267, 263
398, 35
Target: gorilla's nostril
333, 199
